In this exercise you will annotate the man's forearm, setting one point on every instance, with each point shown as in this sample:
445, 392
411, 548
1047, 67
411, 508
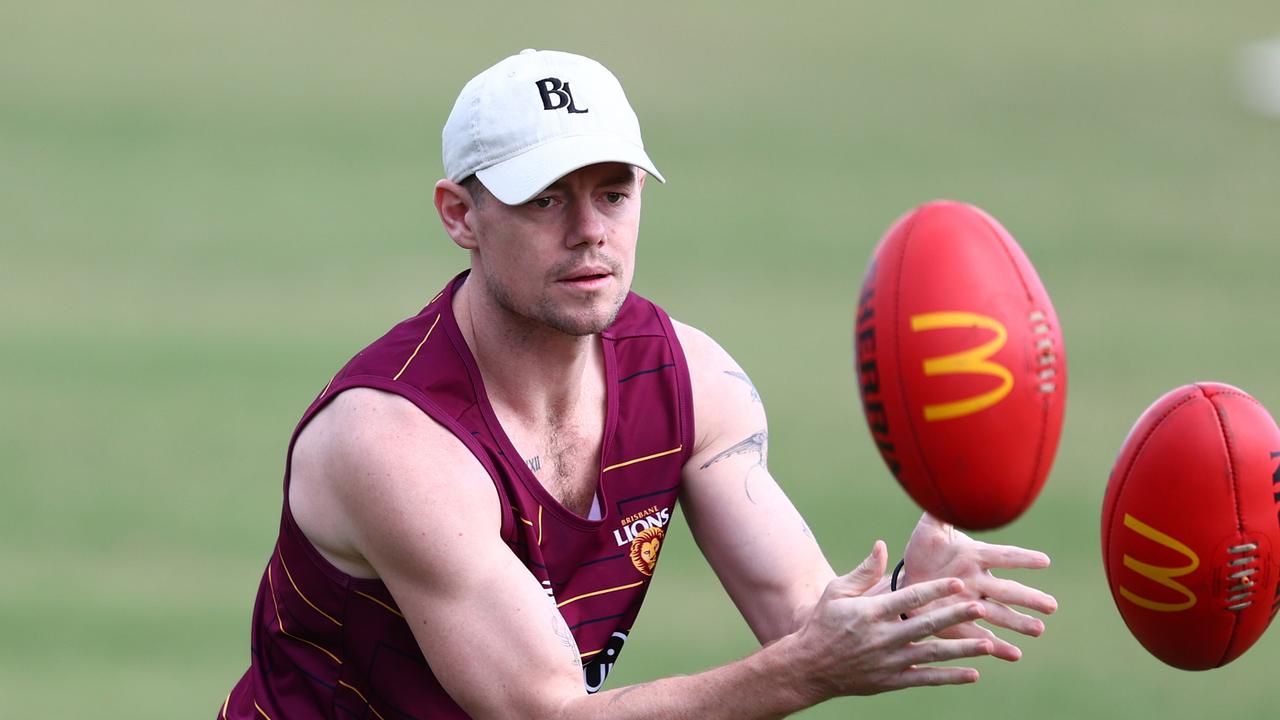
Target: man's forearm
852, 644
769, 683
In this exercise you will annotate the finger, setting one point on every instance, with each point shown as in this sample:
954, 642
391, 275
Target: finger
936, 621
1011, 592
918, 596
1010, 619
933, 675
921, 594
1000, 648
1011, 556
867, 574
932, 651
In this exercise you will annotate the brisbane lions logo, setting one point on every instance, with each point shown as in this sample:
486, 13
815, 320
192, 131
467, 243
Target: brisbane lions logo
644, 549
644, 532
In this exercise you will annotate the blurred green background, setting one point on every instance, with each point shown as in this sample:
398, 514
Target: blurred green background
206, 208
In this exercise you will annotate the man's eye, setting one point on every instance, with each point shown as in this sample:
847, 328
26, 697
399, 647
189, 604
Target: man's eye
613, 198
542, 202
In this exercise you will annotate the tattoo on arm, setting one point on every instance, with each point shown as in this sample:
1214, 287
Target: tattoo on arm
756, 443
623, 691
534, 463
755, 395
561, 629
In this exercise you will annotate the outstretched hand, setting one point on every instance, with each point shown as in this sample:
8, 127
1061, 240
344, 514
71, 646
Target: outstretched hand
937, 550
857, 644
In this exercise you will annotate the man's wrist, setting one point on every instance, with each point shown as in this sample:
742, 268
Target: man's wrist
784, 666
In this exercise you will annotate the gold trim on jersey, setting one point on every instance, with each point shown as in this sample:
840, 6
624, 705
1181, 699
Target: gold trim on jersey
664, 453
360, 695
415, 350
261, 712
584, 596
520, 516
389, 609
280, 621
304, 597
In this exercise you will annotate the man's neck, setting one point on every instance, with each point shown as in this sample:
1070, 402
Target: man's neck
536, 372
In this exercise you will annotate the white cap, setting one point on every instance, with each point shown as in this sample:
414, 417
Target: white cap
538, 116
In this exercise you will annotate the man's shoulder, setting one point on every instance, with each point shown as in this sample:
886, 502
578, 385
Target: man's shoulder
371, 429
700, 349
723, 394
363, 460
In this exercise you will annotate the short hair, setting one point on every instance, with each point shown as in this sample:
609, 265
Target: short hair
475, 189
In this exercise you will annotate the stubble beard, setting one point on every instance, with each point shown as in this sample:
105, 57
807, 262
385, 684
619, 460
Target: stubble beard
547, 312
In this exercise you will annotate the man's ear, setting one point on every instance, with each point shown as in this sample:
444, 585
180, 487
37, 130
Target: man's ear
455, 205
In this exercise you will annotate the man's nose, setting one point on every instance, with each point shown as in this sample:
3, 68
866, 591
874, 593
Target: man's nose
587, 227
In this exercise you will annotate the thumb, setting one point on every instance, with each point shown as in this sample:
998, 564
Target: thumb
867, 574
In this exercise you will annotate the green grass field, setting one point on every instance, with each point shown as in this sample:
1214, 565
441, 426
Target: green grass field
205, 209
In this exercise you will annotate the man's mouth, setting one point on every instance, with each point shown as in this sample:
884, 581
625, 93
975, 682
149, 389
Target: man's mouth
587, 277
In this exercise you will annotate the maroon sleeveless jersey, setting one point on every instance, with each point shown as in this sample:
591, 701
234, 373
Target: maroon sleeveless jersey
327, 645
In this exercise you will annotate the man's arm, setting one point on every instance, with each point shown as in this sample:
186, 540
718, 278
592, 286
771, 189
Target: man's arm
752, 535
378, 484
776, 572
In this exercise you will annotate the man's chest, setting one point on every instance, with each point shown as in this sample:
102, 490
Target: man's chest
564, 456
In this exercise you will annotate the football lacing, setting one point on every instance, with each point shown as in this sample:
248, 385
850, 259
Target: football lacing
1243, 591
1044, 349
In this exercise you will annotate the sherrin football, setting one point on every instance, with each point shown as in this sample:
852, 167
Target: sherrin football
1189, 525
960, 364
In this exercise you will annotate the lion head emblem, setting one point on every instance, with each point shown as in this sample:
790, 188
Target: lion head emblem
644, 549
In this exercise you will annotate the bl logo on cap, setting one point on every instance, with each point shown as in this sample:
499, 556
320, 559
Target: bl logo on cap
556, 94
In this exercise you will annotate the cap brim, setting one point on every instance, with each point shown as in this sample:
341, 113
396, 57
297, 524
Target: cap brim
517, 179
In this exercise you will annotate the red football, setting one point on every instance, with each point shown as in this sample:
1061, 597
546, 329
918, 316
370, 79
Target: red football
960, 364
1189, 525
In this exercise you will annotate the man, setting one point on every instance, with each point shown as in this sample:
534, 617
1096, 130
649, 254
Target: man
476, 503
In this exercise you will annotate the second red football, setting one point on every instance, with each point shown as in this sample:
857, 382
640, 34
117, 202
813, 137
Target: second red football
1189, 526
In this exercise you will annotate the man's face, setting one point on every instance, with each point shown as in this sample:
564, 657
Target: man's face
566, 258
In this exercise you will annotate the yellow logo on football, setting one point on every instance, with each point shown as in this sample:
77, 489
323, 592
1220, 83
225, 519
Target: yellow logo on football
1157, 574
644, 549
976, 361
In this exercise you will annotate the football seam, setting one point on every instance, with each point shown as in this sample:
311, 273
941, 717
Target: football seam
902, 376
1047, 406
1142, 446
1017, 271
1235, 502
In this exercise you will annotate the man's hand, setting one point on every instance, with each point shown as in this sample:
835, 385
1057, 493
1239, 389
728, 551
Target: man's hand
936, 549
857, 644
